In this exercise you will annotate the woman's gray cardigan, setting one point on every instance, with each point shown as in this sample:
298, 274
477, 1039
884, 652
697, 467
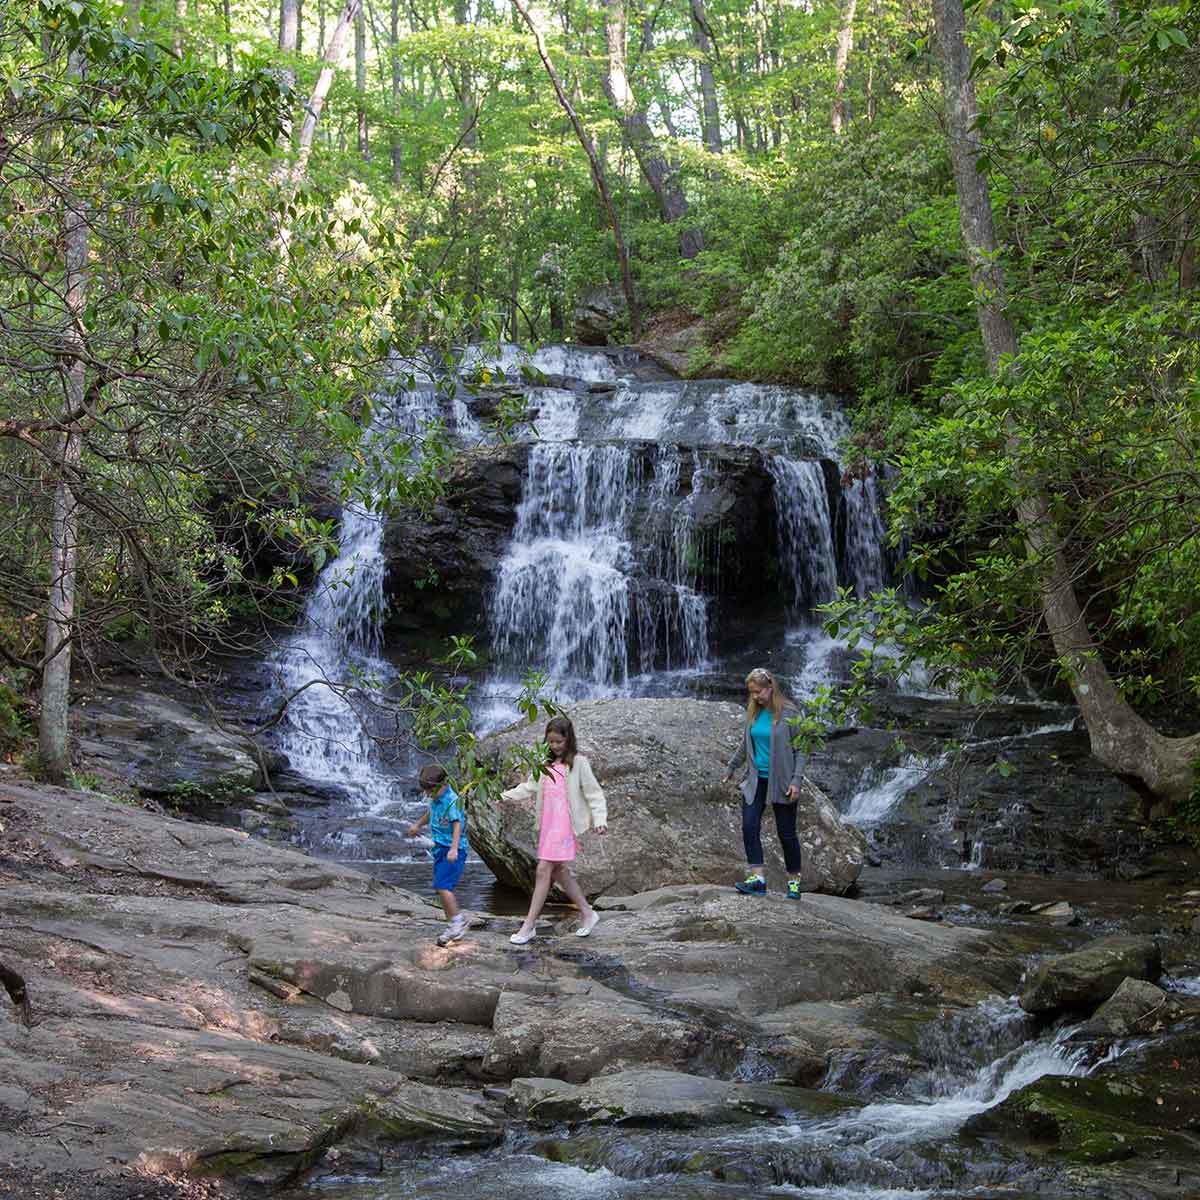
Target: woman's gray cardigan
787, 767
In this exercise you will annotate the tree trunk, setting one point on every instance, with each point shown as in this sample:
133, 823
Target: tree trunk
54, 738
710, 122
845, 43
470, 176
181, 16
360, 83
289, 30
334, 53
227, 24
1120, 739
597, 172
663, 183
397, 150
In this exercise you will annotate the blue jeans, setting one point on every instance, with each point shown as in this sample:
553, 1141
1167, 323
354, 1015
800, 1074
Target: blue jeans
785, 826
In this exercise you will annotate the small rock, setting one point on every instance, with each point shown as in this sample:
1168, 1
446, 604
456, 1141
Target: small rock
995, 885
923, 913
1011, 907
920, 896
1060, 912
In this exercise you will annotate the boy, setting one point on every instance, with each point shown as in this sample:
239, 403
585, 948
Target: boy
447, 826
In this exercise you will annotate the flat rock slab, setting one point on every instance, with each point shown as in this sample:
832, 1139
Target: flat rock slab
656, 1097
210, 1003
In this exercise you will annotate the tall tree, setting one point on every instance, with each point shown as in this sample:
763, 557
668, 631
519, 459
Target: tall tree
289, 39
1120, 738
332, 60
658, 172
54, 743
598, 178
396, 146
841, 59
360, 82
710, 121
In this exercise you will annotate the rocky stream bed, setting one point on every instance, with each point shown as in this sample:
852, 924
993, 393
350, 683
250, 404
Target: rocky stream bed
211, 1007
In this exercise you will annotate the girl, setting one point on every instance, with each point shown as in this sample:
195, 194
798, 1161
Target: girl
775, 775
569, 802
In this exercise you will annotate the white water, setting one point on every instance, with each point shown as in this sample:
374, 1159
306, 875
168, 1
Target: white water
602, 584
332, 665
1185, 985
880, 791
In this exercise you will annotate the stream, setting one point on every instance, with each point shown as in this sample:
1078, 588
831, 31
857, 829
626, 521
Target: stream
609, 583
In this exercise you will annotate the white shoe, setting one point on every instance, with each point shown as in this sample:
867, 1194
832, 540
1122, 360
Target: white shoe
453, 931
522, 936
586, 928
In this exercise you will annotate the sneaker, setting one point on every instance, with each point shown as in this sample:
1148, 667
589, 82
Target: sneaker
752, 885
453, 931
523, 936
587, 926
793, 892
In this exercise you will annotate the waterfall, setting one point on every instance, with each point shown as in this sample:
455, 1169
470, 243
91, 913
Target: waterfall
607, 583
806, 553
568, 596
332, 664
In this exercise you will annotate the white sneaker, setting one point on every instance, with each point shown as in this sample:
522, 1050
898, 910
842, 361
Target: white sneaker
586, 928
453, 931
523, 936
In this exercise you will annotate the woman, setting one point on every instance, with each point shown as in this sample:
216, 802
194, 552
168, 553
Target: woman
774, 775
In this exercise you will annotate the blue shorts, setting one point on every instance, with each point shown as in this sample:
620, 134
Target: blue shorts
447, 874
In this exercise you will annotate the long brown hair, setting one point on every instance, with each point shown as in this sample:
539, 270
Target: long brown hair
563, 726
780, 700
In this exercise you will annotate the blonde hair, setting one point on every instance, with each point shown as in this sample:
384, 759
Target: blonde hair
761, 677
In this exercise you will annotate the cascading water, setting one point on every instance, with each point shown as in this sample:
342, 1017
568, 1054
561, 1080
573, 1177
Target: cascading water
602, 586
332, 664
897, 1148
806, 551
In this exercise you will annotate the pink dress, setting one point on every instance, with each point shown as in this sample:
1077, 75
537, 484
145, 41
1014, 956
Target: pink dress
556, 841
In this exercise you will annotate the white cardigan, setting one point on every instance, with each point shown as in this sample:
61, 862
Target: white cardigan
585, 797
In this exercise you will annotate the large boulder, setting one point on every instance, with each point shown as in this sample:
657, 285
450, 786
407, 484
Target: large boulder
599, 313
1087, 977
672, 819
162, 746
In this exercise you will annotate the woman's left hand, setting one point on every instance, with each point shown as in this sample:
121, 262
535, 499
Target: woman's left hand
793, 792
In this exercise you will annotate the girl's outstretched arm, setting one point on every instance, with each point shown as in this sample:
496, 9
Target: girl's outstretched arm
525, 790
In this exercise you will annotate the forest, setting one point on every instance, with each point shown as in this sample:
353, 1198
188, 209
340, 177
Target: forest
978, 223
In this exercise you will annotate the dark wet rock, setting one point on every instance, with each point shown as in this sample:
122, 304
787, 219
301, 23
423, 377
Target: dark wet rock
1087, 977
1053, 809
1131, 1008
440, 564
671, 818
599, 313
1146, 1109
162, 746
